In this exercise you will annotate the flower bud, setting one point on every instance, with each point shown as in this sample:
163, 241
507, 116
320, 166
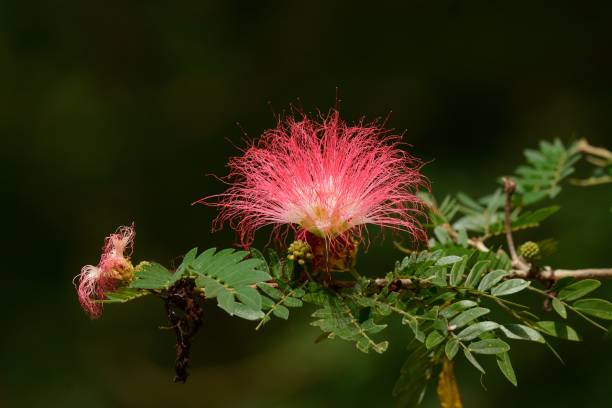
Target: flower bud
529, 250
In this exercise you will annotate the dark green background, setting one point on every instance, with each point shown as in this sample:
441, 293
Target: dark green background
113, 112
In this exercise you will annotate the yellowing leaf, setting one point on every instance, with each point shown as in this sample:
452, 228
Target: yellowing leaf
448, 391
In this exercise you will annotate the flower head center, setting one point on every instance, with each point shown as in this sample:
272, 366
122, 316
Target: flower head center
324, 222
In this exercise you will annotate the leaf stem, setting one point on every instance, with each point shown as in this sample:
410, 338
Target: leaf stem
509, 188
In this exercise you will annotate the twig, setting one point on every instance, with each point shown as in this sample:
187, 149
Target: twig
583, 146
479, 244
509, 188
592, 181
271, 284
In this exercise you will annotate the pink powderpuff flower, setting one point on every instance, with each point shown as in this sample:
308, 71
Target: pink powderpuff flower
114, 267
323, 177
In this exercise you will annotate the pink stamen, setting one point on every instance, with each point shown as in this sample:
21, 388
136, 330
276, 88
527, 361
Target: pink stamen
94, 281
321, 176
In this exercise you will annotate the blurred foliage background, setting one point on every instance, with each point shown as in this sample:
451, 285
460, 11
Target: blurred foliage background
113, 112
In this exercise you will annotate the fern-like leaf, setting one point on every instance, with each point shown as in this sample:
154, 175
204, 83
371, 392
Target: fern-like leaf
228, 277
544, 171
338, 316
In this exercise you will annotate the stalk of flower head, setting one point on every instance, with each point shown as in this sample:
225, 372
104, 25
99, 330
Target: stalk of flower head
113, 269
325, 180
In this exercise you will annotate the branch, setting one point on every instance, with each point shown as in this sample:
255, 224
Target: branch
403, 283
545, 275
509, 188
549, 274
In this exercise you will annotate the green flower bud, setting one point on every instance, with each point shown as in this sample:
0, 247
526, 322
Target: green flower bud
299, 251
529, 250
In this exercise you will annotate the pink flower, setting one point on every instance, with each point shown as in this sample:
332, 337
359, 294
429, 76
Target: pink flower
114, 267
323, 177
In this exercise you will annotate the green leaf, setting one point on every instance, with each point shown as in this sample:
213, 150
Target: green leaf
414, 326
228, 266
489, 346
470, 357
249, 297
505, 366
469, 203
247, 313
338, 316
292, 302
559, 307
456, 274
522, 332
534, 218
451, 310
151, 276
595, 307
187, 260
467, 316
578, 289
509, 287
491, 279
123, 294
257, 254
476, 273
227, 276
415, 374
281, 312
561, 284
281, 301
439, 324
270, 291
226, 301
433, 339
475, 330
528, 219
451, 348
274, 264
288, 269
462, 238
546, 168
439, 278
558, 329
531, 197
448, 260
442, 235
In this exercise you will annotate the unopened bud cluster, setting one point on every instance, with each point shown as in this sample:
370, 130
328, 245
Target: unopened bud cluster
123, 272
299, 251
529, 250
